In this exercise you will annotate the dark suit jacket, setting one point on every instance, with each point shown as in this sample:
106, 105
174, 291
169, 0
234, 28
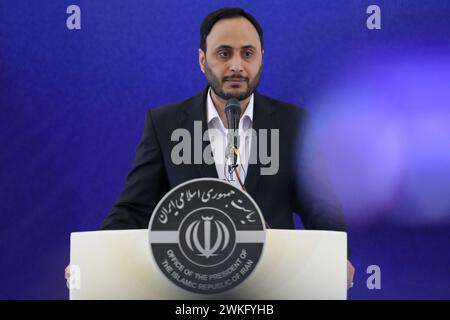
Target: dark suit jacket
279, 196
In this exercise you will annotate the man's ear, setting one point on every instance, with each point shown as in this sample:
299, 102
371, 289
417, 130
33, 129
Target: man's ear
201, 60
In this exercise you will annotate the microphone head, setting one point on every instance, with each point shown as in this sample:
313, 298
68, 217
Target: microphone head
233, 108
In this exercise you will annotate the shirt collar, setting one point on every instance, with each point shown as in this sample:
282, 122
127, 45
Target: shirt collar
211, 111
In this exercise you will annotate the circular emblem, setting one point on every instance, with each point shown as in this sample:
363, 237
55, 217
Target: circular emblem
206, 236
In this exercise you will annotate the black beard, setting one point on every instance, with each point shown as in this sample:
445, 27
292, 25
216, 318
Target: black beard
216, 85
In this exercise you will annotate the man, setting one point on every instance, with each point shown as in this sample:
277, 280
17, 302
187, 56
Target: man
231, 57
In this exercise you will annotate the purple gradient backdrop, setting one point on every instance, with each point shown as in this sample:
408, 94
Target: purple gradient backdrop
73, 105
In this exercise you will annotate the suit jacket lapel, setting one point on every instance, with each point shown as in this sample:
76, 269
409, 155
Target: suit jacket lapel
263, 118
195, 110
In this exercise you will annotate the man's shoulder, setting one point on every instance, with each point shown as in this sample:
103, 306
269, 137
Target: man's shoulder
282, 108
171, 109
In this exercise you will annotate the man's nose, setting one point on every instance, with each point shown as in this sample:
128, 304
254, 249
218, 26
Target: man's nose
236, 64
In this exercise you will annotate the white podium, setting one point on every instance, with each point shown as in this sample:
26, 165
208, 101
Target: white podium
295, 264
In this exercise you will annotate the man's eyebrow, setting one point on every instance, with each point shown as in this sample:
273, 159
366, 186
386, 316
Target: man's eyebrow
225, 46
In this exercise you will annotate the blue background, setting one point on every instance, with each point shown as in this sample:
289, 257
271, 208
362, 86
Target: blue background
72, 107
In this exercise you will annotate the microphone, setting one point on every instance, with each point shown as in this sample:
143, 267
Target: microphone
233, 114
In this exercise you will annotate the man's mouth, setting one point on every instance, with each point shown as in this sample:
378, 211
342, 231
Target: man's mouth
236, 80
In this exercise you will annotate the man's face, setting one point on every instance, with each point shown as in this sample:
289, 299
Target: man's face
233, 60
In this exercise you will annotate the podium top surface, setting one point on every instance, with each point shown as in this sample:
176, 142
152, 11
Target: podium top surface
295, 264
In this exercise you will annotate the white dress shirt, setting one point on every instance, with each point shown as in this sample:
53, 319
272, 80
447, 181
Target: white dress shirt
218, 138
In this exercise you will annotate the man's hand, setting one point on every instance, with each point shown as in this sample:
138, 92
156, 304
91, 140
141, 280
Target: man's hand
67, 272
350, 274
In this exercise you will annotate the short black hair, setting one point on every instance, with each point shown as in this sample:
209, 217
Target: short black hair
226, 13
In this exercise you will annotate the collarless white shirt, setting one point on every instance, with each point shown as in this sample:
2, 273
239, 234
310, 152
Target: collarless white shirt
218, 139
